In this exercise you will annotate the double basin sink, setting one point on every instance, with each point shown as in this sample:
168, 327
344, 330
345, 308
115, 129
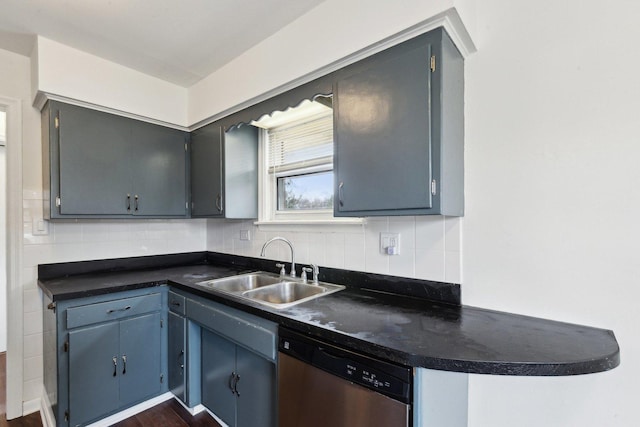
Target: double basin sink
270, 289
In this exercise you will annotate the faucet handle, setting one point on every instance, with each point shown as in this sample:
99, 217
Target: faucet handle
305, 270
282, 270
316, 272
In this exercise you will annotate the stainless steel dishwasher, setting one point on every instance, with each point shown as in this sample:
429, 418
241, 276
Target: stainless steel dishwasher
320, 384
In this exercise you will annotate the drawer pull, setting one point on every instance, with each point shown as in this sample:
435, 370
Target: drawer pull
177, 304
119, 309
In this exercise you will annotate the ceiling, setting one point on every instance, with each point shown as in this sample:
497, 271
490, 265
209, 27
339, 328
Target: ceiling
180, 41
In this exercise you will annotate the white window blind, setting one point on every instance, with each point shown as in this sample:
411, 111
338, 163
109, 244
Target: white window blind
301, 145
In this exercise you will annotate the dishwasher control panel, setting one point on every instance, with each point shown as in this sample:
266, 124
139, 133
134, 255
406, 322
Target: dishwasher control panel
384, 377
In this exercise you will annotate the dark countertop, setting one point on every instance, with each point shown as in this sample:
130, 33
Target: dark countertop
407, 330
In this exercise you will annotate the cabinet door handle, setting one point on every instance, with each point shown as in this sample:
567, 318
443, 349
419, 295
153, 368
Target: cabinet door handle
219, 202
231, 378
128, 202
235, 385
175, 304
113, 310
124, 364
115, 366
340, 202
135, 203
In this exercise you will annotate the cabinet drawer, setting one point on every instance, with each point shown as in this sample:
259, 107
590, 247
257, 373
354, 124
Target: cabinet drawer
254, 333
176, 303
111, 310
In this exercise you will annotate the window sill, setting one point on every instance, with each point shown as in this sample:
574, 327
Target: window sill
339, 224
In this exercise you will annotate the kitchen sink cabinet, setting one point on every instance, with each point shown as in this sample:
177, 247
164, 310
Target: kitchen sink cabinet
238, 385
399, 122
107, 354
100, 165
224, 171
237, 365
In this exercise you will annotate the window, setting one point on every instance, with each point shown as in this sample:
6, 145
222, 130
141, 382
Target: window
297, 151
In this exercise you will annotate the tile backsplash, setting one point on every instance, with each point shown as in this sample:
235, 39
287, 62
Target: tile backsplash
430, 246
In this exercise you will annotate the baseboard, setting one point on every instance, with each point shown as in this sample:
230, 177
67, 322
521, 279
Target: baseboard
31, 406
193, 411
140, 407
48, 418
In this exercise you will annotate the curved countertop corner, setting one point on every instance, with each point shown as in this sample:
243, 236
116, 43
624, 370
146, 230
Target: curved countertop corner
409, 331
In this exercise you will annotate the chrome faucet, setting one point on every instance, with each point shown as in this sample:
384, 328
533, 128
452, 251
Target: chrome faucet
293, 258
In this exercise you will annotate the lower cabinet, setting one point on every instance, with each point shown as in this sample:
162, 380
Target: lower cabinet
113, 364
107, 352
237, 385
235, 365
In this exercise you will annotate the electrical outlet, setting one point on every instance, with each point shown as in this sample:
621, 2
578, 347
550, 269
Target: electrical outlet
245, 235
390, 243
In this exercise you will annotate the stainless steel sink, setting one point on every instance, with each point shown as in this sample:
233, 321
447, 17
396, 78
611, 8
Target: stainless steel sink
270, 289
243, 282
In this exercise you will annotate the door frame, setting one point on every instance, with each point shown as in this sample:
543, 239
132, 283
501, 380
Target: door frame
14, 233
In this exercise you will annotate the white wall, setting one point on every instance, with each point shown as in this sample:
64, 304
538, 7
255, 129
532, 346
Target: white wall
552, 149
3, 247
98, 81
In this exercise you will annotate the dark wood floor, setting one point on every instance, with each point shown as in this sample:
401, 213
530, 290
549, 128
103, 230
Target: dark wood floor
168, 414
32, 420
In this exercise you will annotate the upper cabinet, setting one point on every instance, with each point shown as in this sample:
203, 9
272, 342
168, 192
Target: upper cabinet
399, 131
99, 165
224, 171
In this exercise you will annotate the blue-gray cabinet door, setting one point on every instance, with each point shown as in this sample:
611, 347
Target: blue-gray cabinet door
207, 172
218, 376
94, 363
139, 365
158, 168
94, 163
382, 125
256, 389
177, 356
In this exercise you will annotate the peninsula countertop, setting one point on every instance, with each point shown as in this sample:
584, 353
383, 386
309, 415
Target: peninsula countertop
404, 329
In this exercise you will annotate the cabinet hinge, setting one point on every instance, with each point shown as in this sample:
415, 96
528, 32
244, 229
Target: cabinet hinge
186, 206
185, 146
56, 122
433, 63
52, 306
433, 187
66, 415
65, 347
58, 202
